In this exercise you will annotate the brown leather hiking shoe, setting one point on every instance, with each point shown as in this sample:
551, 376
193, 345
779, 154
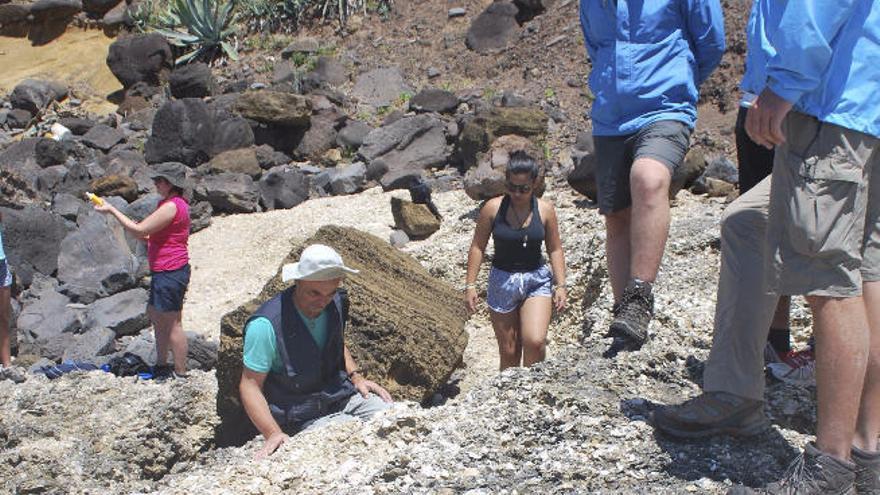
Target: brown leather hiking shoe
812, 473
712, 413
867, 471
633, 314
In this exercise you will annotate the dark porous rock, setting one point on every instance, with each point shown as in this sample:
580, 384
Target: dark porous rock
406, 327
481, 130
79, 175
124, 313
200, 216
406, 148
115, 185
380, 87
305, 44
122, 162
14, 20
328, 71
50, 152
183, 131
352, 135
241, 161
232, 133
46, 324
688, 172
722, 168
274, 107
269, 157
228, 193
141, 58
77, 125
51, 179
192, 81
283, 187
89, 345
19, 118
349, 179
67, 206
202, 353
34, 95
582, 177
32, 237
494, 29
99, 7
103, 137
142, 207
434, 100
529, 9
318, 138
119, 16
487, 179
95, 260
415, 219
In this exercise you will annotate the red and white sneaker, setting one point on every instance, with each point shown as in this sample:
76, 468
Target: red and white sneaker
795, 367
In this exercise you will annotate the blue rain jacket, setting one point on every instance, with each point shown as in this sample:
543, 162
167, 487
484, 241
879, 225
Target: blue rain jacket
649, 58
828, 61
763, 22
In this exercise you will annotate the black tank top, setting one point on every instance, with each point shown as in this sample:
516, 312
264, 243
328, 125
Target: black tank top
517, 249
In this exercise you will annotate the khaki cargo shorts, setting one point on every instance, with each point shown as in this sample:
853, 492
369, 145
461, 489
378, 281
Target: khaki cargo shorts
824, 228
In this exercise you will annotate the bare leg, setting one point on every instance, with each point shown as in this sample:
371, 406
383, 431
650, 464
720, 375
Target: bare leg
649, 184
5, 315
534, 317
506, 327
161, 333
781, 316
842, 339
868, 426
169, 333
617, 250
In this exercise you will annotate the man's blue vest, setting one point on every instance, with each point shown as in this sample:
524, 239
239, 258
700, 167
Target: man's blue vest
314, 382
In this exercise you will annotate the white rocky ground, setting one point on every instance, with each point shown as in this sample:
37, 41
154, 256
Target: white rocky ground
574, 424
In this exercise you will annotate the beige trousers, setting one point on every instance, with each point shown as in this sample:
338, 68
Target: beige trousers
744, 309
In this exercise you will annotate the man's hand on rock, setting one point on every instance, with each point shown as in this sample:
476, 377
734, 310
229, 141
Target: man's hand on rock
272, 443
365, 386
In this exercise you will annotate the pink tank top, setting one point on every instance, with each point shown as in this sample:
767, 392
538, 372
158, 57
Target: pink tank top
167, 249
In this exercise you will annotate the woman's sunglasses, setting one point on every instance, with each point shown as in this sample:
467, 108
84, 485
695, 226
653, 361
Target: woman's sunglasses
520, 188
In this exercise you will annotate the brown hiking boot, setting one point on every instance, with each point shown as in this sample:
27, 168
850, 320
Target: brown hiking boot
867, 471
712, 413
633, 314
812, 473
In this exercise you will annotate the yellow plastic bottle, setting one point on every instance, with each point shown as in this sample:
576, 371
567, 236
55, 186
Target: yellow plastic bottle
95, 199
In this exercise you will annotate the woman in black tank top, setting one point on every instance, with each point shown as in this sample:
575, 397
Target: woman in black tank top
519, 293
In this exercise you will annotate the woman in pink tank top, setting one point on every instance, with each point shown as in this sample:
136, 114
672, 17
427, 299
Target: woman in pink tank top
166, 231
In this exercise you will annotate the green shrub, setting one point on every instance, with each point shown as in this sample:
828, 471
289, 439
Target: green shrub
208, 30
287, 15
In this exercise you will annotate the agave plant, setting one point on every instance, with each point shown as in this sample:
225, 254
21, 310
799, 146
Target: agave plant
208, 29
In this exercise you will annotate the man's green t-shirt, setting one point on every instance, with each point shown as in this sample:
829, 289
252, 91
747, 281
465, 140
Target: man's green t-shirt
260, 347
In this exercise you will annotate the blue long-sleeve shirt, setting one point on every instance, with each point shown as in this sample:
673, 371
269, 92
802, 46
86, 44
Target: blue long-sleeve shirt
762, 26
827, 61
649, 58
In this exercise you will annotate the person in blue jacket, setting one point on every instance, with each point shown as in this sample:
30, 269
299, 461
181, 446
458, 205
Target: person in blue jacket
648, 61
820, 112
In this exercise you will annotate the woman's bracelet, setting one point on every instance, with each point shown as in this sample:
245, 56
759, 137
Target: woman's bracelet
470, 286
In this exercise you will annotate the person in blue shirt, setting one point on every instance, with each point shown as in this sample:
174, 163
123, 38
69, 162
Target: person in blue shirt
298, 372
7, 371
648, 61
820, 112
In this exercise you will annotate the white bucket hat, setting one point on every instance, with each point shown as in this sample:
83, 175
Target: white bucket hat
317, 262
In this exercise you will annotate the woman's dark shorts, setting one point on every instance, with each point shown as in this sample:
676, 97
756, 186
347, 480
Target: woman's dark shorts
666, 141
167, 289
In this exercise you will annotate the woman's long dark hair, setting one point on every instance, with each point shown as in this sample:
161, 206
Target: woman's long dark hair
521, 163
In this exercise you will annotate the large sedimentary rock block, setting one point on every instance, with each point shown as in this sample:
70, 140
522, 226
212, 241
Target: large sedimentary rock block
406, 328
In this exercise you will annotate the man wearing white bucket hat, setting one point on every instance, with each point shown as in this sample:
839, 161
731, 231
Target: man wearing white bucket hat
297, 371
